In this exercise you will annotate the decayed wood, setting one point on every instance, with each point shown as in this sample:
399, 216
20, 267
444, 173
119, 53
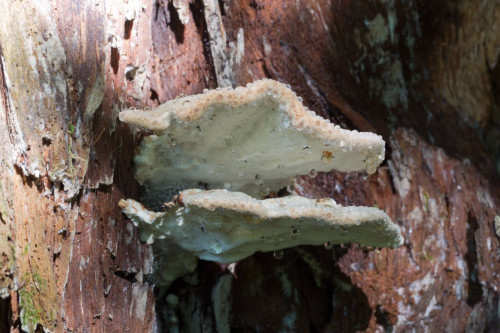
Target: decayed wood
75, 262
423, 74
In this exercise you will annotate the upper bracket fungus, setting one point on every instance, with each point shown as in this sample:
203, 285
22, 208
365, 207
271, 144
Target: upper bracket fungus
252, 140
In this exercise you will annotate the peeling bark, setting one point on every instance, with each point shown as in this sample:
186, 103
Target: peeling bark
424, 74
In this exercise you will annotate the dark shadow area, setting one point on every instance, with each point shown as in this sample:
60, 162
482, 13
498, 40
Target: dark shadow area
491, 134
153, 95
129, 24
474, 291
4, 314
129, 276
265, 291
174, 23
385, 319
492, 310
115, 59
197, 11
495, 82
319, 299
222, 8
347, 300
194, 294
29, 180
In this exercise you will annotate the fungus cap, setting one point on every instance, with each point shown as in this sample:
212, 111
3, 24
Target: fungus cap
252, 139
224, 226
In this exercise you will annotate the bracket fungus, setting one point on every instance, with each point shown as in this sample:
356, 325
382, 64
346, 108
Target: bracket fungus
242, 138
250, 141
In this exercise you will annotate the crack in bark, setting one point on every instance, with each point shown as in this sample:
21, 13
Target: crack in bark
474, 290
174, 22
129, 276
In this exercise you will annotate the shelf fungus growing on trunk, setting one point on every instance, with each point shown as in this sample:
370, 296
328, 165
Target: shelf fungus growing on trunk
251, 141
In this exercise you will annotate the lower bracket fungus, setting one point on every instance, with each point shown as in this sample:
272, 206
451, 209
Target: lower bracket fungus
253, 140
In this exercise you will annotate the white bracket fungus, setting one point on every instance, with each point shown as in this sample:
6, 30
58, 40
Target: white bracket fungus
245, 137
223, 226
252, 140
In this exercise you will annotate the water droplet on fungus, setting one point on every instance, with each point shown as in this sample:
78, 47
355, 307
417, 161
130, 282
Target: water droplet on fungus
215, 246
313, 173
264, 191
228, 141
277, 240
196, 132
328, 245
242, 165
258, 182
295, 233
278, 254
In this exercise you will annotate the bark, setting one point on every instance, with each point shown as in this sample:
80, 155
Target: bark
423, 74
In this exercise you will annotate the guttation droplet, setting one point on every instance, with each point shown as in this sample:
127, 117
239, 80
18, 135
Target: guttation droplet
196, 132
295, 233
313, 173
328, 245
307, 149
264, 191
343, 231
228, 140
242, 164
216, 246
278, 254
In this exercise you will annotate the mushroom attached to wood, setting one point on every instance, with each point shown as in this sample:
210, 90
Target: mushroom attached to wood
242, 138
252, 140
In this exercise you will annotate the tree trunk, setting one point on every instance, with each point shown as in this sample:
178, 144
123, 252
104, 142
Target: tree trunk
424, 74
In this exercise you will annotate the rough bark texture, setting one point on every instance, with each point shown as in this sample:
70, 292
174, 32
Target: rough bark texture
424, 74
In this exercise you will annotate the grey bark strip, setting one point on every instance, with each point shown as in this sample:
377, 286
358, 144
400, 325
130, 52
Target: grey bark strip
220, 55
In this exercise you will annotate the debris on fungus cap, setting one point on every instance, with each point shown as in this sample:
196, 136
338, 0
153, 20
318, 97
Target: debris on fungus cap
223, 226
252, 139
